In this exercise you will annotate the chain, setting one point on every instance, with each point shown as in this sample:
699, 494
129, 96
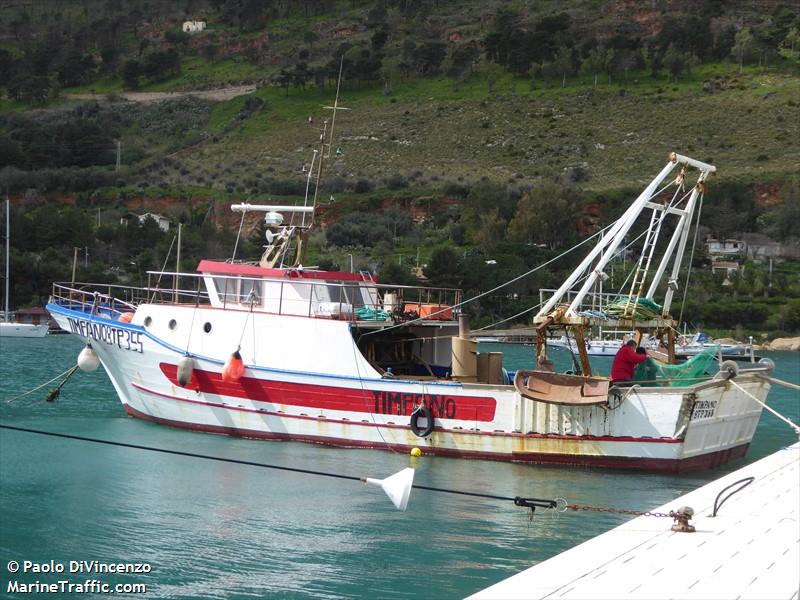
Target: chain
620, 511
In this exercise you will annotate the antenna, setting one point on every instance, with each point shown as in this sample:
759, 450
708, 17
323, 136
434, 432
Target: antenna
325, 148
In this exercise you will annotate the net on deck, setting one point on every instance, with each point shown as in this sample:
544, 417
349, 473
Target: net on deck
692, 371
644, 309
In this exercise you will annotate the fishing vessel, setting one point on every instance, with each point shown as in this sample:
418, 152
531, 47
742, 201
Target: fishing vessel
9, 327
275, 350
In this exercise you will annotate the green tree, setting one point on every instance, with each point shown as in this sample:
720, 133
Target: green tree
789, 319
310, 37
428, 57
394, 273
492, 73
743, 46
29, 88
676, 62
595, 62
486, 201
162, 64
131, 73
546, 215
562, 63
444, 269
76, 69
462, 60
792, 40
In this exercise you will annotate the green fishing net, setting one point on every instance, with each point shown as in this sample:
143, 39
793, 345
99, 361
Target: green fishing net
645, 309
367, 313
693, 370
642, 310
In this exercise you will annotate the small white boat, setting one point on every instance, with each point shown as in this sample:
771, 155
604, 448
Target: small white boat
23, 330
594, 347
691, 345
9, 328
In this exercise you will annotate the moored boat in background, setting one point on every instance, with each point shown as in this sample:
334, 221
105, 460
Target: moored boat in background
9, 327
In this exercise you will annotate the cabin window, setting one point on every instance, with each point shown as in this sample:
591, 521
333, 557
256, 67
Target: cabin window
250, 291
354, 293
336, 293
226, 289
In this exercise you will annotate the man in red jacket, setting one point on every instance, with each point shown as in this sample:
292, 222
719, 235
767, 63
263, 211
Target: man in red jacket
625, 362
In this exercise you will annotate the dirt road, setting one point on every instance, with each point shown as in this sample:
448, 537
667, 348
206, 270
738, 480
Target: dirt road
218, 94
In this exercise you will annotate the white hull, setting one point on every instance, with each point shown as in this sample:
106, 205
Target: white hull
23, 330
306, 380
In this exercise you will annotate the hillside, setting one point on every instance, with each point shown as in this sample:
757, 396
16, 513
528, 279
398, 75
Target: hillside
456, 112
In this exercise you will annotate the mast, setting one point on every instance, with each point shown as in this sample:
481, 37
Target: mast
329, 144
8, 255
176, 281
279, 235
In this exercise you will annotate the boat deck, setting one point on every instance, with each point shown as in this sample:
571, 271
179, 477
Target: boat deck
751, 549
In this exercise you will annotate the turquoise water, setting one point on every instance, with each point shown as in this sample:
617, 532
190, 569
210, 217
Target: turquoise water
217, 530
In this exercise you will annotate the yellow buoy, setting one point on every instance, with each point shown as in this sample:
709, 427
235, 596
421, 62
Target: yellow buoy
416, 452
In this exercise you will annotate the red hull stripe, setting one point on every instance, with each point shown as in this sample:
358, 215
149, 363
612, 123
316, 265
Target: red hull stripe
704, 461
390, 425
444, 406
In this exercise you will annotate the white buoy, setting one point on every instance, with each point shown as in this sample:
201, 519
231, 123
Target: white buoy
185, 370
87, 360
727, 370
397, 486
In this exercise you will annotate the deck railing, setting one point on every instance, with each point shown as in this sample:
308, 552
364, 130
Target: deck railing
290, 296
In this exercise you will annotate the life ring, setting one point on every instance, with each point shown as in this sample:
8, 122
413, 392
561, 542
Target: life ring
421, 411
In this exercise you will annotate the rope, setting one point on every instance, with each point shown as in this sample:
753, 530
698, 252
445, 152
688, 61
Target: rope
365, 396
691, 258
163, 267
769, 408
238, 235
56, 391
38, 387
791, 386
519, 314
499, 287
518, 500
246, 319
743, 483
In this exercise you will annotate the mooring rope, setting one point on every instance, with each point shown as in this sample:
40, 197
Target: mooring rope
517, 500
38, 387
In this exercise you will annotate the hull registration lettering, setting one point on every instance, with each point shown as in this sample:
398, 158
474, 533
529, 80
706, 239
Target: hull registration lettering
125, 339
704, 409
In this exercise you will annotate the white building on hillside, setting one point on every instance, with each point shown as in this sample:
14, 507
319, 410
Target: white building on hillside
161, 221
193, 26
